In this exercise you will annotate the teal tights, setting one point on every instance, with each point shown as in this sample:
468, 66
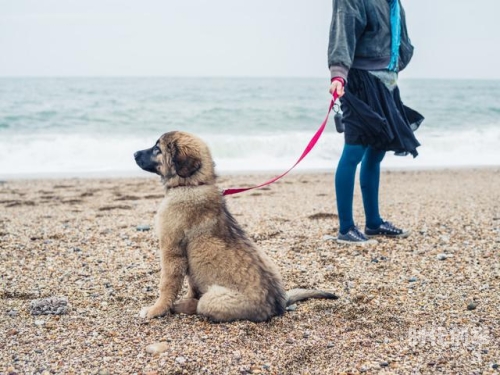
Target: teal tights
369, 179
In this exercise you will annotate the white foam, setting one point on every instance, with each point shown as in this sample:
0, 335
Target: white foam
81, 154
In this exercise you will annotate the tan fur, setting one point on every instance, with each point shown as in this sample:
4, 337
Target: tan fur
229, 278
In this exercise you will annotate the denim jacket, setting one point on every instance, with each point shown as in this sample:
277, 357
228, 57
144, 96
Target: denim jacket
360, 37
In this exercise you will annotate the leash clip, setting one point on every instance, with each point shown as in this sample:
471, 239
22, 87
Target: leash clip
336, 107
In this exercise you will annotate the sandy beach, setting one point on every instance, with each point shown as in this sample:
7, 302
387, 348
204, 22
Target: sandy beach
426, 304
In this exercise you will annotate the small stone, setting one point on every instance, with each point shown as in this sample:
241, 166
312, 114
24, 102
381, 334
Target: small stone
445, 239
291, 307
384, 364
330, 345
374, 260
104, 372
180, 360
143, 228
289, 341
12, 332
39, 323
443, 256
50, 305
266, 366
495, 366
327, 237
237, 355
472, 306
157, 348
254, 369
412, 279
12, 313
76, 249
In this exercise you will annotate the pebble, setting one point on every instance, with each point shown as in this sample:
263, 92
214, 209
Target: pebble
445, 239
412, 279
180, 360
291, 307
39, 323
254, 369
443, 256
50, 305
472, 306
12, 332
384, 364
13, 313
495, 366
143, 228
237, 355
157, 348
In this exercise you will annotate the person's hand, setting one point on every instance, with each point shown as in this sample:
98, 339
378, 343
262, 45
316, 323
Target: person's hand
337, 86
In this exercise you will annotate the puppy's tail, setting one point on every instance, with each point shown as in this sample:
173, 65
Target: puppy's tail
295, 295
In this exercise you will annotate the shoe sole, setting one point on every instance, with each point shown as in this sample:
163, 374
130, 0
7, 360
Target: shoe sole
402, 235
359, 243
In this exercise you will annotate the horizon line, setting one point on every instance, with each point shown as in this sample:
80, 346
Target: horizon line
232, 77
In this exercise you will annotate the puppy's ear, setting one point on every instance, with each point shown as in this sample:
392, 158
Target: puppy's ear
186, 161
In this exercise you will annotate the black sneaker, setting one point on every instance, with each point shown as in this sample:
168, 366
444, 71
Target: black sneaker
387, 229
355, 237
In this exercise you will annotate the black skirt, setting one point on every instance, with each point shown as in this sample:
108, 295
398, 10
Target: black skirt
375, 116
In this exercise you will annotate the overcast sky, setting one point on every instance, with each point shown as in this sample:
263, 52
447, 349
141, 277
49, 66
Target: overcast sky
453, 38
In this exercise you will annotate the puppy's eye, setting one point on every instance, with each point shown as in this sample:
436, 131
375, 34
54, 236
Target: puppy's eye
156, 150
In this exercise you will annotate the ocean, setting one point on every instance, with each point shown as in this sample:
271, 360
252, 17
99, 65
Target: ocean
76, 127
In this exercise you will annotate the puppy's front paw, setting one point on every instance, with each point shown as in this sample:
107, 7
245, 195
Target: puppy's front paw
151, 312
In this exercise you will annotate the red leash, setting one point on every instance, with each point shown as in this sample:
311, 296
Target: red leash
309, 147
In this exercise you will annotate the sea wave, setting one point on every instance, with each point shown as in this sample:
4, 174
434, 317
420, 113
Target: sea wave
76, 154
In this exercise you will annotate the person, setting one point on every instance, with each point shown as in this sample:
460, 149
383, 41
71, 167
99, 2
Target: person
368, 47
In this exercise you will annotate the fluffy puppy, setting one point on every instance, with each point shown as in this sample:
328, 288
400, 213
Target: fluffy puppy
229, 278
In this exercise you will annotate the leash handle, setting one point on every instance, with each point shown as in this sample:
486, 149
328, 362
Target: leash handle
308, 148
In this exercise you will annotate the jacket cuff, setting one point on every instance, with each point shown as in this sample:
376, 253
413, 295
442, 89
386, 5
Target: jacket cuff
339, 71
340, 79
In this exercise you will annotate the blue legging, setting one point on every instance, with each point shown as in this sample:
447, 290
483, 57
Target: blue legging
369, 179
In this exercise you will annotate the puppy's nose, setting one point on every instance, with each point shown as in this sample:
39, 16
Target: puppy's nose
136, 155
